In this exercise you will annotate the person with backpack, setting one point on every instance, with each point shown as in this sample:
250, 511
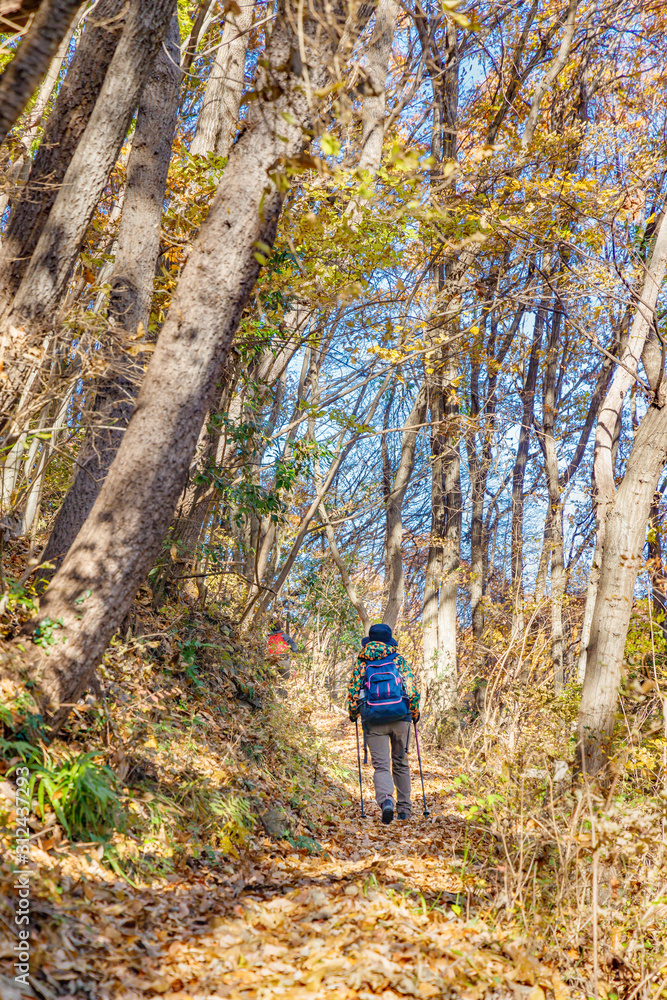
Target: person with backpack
383, 691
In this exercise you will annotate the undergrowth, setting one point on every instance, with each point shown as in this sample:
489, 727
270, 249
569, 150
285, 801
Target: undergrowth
184, 760
177, 758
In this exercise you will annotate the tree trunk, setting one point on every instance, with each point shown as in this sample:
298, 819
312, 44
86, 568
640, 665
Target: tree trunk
218, 119
622, 554
50, 80
340, 455
550, 403
63, 129
545, 558
350, 589
31, 61
377, 62
131, 291
441, 583
124, 531
48, 271
215, 451
479, 464
606, 435
551, 75
518, 475
199, 28
394, 583
656, 568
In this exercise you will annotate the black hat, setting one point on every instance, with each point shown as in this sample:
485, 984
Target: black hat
380, 633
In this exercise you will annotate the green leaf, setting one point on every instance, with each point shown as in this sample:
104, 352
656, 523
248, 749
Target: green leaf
330, 145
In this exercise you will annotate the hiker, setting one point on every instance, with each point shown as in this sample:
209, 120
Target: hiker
383, 691
279, 646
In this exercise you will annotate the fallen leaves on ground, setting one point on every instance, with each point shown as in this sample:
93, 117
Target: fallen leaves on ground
369, 916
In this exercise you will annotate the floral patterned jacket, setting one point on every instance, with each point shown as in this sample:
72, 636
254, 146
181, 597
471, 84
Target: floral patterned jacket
377, 651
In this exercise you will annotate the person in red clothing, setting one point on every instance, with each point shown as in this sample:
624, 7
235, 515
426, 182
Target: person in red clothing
279, 647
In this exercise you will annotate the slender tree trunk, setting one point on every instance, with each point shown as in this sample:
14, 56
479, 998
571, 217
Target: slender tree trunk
350, 589
545, 558
46, 276
131, 291
656, 568
555, 518
124, 531
199, 28
518, 476
31, 61
479, 464
551, 75
441, 583
218, 119
63, 129
621, 559
394, 583
477, 545
341, 454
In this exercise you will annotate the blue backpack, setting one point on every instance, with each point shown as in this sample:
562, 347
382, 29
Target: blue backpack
385, 698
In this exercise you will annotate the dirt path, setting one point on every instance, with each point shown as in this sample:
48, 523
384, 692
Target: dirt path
371, 917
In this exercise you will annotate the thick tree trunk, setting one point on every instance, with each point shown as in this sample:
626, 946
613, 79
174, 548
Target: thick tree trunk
377, 62
219, 116
62, 131
31, 61
124, 531
50, 80
394, 583
215, 451
606, 435
131, 291
624, 539
46, 276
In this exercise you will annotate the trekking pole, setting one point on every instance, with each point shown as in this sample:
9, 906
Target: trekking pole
361, 794
421, 773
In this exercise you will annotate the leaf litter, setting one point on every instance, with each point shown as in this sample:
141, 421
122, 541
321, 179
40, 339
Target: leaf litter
365, 912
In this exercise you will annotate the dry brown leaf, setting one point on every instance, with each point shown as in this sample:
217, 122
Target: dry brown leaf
561, 990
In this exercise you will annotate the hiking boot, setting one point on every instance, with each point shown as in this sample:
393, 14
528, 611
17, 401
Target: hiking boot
387, 811
403, 816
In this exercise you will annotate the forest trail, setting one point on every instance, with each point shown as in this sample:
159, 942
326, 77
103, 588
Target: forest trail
371, 917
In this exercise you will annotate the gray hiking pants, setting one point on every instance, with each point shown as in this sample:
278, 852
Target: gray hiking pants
386, 742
